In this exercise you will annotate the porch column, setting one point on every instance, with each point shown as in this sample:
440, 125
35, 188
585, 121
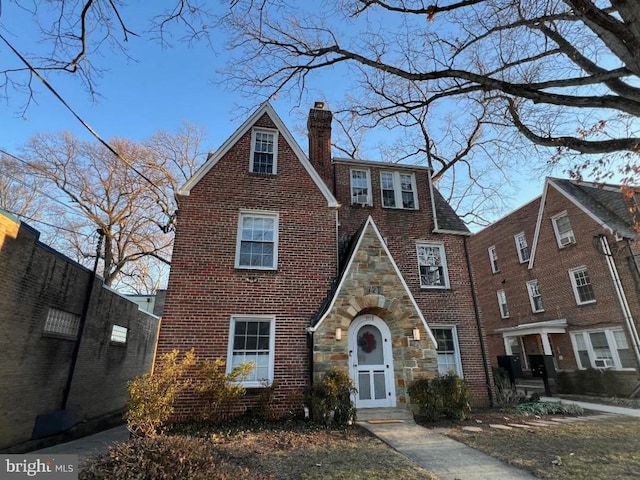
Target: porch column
507, 345
546, 346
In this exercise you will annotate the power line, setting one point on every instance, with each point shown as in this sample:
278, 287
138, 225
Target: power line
19, 215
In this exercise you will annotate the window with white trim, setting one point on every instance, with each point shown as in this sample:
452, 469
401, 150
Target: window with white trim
582, 288
606, 348
432, 265
360, 187
257, 246
119, 334
264, 151
522, 247
563, 230
535, 298
251, 340
448, 350
502, 303
398, 190
493, 259
61, 323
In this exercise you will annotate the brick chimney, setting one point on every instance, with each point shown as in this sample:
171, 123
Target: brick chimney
319, 128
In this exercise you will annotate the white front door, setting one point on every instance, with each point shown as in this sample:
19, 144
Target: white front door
371, 362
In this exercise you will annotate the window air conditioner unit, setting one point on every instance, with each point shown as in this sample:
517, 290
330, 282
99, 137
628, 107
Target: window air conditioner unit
360, 200
567, 240
604, 363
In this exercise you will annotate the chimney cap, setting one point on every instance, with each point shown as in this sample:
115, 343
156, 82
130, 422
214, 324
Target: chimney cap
319, 105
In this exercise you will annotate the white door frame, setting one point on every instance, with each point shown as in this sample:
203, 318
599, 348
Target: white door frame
387, 351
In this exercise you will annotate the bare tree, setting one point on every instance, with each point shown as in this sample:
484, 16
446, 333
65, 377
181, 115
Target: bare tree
563, 74
129, 201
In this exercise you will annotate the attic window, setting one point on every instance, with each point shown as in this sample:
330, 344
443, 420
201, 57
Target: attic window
562, 228
398, 190
264, 151
360, 187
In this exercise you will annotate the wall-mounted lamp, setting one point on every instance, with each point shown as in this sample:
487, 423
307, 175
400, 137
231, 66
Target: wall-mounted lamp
338, 333
416, 333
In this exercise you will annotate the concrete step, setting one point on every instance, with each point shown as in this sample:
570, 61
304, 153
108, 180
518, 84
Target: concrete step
384, 414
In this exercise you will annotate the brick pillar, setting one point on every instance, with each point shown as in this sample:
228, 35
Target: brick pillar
319, 128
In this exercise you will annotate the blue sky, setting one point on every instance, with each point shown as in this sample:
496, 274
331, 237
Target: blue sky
156, 89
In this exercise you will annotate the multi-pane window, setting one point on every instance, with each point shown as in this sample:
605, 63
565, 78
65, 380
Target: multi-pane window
61, 323
257, 241
563, 230
263, 151
432, 265
252, 341
493, 259
581, 283
522, 247
502, 303
398, 190
448, 351
360, 187
535, 297
119, 334
602, 349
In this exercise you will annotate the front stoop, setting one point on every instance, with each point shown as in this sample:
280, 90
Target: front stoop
384, 415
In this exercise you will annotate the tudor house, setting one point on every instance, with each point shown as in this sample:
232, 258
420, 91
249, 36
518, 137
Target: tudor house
301, 263
559, 277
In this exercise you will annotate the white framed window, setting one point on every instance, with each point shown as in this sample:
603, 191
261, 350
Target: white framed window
360, 187
398, 190
535, 298
563, 230
252, 340
522, 247
607, 348
61, 323
119, 334
432, 265
493, 259
502, 303
257, 246
581, 283
264, 151
448, 350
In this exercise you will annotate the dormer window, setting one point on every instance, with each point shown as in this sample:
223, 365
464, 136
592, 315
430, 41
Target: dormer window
398, 190
563, 230
264, 151
360, 187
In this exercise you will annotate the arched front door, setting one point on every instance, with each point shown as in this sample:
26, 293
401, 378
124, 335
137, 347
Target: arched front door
371, 362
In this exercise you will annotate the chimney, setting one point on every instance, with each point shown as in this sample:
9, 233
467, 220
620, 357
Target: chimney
319, 128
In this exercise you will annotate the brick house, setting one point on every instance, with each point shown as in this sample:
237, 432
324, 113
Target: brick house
559, 277
299, 264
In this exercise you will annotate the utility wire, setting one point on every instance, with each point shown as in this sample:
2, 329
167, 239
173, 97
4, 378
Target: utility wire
84, 124
19, 215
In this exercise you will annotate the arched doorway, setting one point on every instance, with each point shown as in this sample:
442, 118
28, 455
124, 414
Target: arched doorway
371, 362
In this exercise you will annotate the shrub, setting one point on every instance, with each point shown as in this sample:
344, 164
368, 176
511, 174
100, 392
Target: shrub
565, 383
152, 395
163, 458
444, 396
219, 389
330, 398
506, 393
549, 408
266, 401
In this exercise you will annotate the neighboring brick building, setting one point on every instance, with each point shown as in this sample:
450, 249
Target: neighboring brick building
296, 265
559, 277
43, 295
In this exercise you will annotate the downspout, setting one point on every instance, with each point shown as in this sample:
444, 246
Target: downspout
624, 305
476, 312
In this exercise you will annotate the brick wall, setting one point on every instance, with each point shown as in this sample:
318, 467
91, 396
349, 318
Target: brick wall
205, 289
33, 374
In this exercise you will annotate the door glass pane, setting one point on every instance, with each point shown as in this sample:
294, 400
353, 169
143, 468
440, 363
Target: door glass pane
380, 391
364, 386
370, 351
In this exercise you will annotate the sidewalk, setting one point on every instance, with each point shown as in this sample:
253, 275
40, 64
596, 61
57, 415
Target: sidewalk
629, 412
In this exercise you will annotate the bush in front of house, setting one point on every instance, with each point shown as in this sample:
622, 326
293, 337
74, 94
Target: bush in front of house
329, 399
444, 396
164, 458
549, 408
152, 395
590, 381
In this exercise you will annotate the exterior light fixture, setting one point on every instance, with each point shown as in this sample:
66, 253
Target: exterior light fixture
338, 333
416, 334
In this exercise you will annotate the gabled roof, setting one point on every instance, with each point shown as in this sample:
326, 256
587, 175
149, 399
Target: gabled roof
370, 226
605, 204
284, 132
446, 219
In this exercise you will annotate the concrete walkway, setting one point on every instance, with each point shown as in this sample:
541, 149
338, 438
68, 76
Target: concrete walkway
629, 412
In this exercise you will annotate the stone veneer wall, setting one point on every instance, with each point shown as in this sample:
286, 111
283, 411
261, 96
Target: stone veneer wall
372, 267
